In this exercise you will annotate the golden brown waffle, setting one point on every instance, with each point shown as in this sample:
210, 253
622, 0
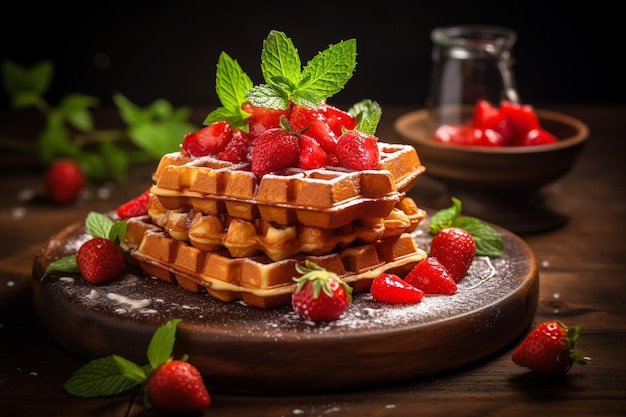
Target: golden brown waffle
248, 238
327, 197
257, 280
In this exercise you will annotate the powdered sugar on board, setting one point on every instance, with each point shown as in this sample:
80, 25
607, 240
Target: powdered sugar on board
151, 301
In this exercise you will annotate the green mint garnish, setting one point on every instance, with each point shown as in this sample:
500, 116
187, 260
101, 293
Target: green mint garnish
114, 374
69, 129
367, 114
322, 77
97, 225
488, 240
285, 79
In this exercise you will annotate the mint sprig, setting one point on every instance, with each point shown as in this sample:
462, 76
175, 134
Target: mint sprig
488, 240
70, 130
97, 225
114, 374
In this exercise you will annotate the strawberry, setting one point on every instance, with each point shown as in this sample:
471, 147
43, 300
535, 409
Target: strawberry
319, 295
311, 153
549, 349
274, 150
208, 140
357, 150
100, 260
522, 119
431, 277
391, 288
63, 181
538, 136
338, 119
138, 206
238, 149
177, 386
455, 249
313, 122
262, 118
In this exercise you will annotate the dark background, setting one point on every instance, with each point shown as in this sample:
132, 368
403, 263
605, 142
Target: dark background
169, 49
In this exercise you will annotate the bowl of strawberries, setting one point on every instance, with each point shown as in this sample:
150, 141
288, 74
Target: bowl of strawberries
500, 159
510, 147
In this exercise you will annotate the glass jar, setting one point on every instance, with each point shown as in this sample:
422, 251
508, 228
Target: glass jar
470, 62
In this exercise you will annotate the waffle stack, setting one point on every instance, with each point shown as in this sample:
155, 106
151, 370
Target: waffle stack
214, 226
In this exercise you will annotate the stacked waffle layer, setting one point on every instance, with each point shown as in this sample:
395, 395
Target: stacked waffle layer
214, 226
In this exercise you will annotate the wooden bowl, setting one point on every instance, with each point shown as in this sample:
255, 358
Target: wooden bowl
496, 168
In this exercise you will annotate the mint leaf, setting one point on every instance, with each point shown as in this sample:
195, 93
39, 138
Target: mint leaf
231, 85
75, 109
264, 95
280, 60
66, 264
106, 376
329, 71
98, 225
162, 343
367, 114
488, 240
117, 231
26, 86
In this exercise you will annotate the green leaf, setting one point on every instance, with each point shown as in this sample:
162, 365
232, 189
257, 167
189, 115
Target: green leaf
265, 95
330, 70
367, 114
279, 58
98, 225
66, 264
444, 218
231, 83
106, 376
156, 138
488, 241
54, 139
162, 344
26, 86
118, 231
75, 109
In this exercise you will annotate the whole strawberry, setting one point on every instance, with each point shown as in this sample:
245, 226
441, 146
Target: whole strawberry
274, 150
431, 277
177, 386
390, 288
63, 181
549, 349
455, 249
358, 150
319, 295
100, 260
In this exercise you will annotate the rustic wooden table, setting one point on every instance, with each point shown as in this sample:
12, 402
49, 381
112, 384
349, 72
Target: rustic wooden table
582, 268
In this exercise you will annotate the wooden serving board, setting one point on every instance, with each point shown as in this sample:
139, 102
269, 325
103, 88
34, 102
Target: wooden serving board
250, 350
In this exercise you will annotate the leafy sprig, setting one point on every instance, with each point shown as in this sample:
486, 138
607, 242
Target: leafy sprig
112, 375
488, 240
70, 132
286, 82
97, 225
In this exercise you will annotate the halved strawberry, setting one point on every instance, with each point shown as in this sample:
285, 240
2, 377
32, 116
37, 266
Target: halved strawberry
262, 118
522, 119
390, 288
208, 140
431, 277
338, 119
138, 206
538, 136
238, 149
312, 155
313, 123
274, 150
357, 150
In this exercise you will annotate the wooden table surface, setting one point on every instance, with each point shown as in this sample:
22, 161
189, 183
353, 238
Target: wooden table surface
582, 268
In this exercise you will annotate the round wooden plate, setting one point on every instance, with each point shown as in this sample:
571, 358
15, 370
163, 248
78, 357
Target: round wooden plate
250, 350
